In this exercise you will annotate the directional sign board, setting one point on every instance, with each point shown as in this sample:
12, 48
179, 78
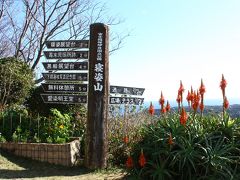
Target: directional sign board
126, 100
68, 44
66, 54
65, 76
126, 90
51, 66
64, 98
53, 87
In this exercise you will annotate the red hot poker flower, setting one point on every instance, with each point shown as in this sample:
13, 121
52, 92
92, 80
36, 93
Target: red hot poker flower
181, 88
183, 117
223, 85
201, 106
142, 159
163, 110
202, 89
168, 107
170, 140
151, 109
225, 103
196, 99
192, 94
178, 99
189, 98
161, 100
125, 139
129, 162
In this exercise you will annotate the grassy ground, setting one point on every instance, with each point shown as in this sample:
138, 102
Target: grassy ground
12, 167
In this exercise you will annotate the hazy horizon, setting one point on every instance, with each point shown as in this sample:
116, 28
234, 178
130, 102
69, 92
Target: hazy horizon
207, 102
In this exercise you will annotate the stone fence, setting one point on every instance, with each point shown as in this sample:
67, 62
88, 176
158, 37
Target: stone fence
66, 154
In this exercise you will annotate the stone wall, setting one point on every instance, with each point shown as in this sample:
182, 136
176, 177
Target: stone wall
62, 154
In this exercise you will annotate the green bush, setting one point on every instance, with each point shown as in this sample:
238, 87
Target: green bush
206, 148
16, 79
125, 123
12, 119
18, 126
2, 138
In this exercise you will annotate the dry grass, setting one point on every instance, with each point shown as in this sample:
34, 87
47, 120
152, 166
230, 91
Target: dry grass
12, 167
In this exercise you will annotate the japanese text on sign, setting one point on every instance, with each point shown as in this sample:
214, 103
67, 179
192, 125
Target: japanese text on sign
66, 76
65, 87
63, 98
126, 100
67, 44
66, 66
66, 54
99, 67
126, 90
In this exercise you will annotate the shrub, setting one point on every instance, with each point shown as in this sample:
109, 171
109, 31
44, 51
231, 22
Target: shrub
18, 126
16, 79
2, 139
124, 129
197, 151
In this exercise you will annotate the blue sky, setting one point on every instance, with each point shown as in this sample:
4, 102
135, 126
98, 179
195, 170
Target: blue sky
173, 40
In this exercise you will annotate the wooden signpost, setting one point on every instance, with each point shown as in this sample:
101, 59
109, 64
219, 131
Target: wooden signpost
96, 137
67, 87
66, 82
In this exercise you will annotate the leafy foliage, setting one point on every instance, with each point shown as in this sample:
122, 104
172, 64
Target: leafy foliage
18, 126
206, 148
16, 79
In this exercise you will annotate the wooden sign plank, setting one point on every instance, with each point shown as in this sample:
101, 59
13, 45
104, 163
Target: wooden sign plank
126, 90
66, 54
126, 100
64, 98
53, 87
65, 66
65, 76
67, 44
96, 135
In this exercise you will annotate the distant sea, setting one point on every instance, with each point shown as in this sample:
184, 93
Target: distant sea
210, 106
207, 102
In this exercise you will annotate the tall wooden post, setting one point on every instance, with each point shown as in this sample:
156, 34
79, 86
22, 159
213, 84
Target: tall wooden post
96, 136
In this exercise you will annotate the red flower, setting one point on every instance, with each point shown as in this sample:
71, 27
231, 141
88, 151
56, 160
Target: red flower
225, 103
170, 140
201, 106
196, 99
202, 88
223, 85
189, 98
179, 99
129, 162
161, 100
142, 160
151, 109
168, 107
125, 139
181, 89
163, 110
183, 117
